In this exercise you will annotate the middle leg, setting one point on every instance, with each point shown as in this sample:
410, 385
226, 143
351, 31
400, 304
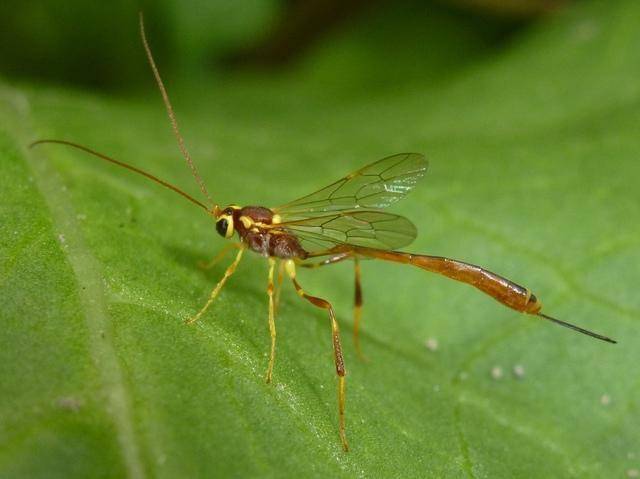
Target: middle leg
278, 287
272, 320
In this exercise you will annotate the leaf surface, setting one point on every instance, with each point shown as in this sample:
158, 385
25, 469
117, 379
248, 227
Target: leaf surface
534, 174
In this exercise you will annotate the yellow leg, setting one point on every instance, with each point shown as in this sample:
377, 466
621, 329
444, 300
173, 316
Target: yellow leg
357, 309
272, 320
337, 346
218, 287
279, 286
218, 257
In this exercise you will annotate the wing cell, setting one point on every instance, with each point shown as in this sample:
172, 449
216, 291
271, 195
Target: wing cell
374, 186
371, 229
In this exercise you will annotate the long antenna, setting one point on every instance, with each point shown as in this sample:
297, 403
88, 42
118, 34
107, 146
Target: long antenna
577, 328
124, 165
172, 116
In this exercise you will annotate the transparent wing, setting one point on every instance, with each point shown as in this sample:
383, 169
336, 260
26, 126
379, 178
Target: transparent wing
371, 229
374, 186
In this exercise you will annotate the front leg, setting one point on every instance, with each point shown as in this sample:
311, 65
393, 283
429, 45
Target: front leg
221, 254
214, 293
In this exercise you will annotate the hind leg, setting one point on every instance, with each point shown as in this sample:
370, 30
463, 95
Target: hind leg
357, 308
337, 346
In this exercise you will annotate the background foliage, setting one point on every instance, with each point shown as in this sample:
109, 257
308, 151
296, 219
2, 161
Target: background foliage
532, 133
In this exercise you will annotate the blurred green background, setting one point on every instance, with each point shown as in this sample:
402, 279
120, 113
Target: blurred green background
528, 112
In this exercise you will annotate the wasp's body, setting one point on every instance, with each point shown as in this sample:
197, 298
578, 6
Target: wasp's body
257, 229
342, 221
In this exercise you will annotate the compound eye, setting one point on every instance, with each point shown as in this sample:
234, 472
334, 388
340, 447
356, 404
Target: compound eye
222, 225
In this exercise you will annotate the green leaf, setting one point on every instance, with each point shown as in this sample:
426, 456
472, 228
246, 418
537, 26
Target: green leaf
534, 174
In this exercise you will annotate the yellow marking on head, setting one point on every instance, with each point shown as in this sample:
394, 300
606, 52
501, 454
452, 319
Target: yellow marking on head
275, 219
235, 207
246, 221
224, 225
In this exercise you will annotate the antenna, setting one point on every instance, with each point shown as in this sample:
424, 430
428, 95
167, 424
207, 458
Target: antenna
124, 165
171, 115
577, 328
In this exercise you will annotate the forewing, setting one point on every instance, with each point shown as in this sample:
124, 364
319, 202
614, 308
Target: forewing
374, 186
370, 229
